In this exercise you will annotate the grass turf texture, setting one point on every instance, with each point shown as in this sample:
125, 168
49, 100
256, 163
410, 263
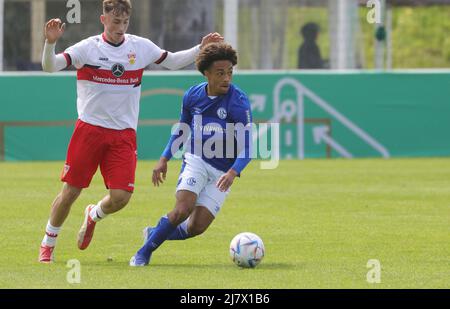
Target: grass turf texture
320, 220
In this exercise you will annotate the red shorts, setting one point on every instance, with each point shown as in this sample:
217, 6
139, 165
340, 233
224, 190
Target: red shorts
91, 146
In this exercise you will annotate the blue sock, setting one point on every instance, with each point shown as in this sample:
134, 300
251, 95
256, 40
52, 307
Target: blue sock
159, 235
180, 232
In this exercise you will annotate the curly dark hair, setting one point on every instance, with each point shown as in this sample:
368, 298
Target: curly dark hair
117, 7
215, 52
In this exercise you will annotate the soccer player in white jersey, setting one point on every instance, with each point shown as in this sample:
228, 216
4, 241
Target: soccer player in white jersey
109, 73
217, 114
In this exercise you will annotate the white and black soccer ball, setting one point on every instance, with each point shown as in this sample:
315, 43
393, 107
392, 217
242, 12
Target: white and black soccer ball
247, 250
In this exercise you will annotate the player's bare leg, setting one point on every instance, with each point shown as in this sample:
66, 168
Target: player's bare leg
184, 206
62, 204
199, 221
113, 202
59, 212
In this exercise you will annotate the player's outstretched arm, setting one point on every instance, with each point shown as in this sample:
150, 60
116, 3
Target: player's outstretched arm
242, 114
53, 30
181, 59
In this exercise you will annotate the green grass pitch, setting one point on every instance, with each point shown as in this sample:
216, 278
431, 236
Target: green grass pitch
321, 222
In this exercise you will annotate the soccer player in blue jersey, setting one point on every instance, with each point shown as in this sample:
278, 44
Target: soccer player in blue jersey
218, 117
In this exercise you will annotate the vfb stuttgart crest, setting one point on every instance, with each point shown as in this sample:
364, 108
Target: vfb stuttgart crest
131, 58
118, 70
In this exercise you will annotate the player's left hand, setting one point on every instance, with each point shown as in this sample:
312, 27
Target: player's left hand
211, 38
226, 180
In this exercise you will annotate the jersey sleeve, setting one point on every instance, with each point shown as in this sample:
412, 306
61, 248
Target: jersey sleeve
77, 54
241, 111
242, 116
152, 52
180, 132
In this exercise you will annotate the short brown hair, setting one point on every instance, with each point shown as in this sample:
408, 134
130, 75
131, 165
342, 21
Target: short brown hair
117, 7
215, 52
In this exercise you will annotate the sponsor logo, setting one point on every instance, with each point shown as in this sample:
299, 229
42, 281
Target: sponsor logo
131, 185
103, 59
222, 113
232, 138
117, 80
118, 70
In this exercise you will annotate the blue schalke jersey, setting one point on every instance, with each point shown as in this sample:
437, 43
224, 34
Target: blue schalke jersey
219, 128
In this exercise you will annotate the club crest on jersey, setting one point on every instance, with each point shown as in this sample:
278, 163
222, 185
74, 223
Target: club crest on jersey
118, 70
131, 58
222, 113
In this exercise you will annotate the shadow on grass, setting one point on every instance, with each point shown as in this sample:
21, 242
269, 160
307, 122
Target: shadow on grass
216, 266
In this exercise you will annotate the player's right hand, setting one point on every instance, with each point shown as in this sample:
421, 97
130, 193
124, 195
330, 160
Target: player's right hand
53, 30
160, 169
211, 38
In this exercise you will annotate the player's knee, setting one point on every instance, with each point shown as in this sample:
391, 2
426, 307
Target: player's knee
70, 193
120, 200
180, 213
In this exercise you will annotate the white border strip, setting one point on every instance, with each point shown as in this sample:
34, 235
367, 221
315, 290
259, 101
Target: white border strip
247, 72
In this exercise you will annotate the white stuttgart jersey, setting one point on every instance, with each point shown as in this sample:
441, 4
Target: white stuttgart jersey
109, 78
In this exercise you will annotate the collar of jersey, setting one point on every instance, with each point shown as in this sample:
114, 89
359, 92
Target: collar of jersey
205, 93
111, 43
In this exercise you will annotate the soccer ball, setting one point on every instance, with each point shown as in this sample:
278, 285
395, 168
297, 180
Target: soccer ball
246, 250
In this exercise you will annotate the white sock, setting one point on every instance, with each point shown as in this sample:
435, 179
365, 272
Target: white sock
97, 213
51, 232
184, 225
